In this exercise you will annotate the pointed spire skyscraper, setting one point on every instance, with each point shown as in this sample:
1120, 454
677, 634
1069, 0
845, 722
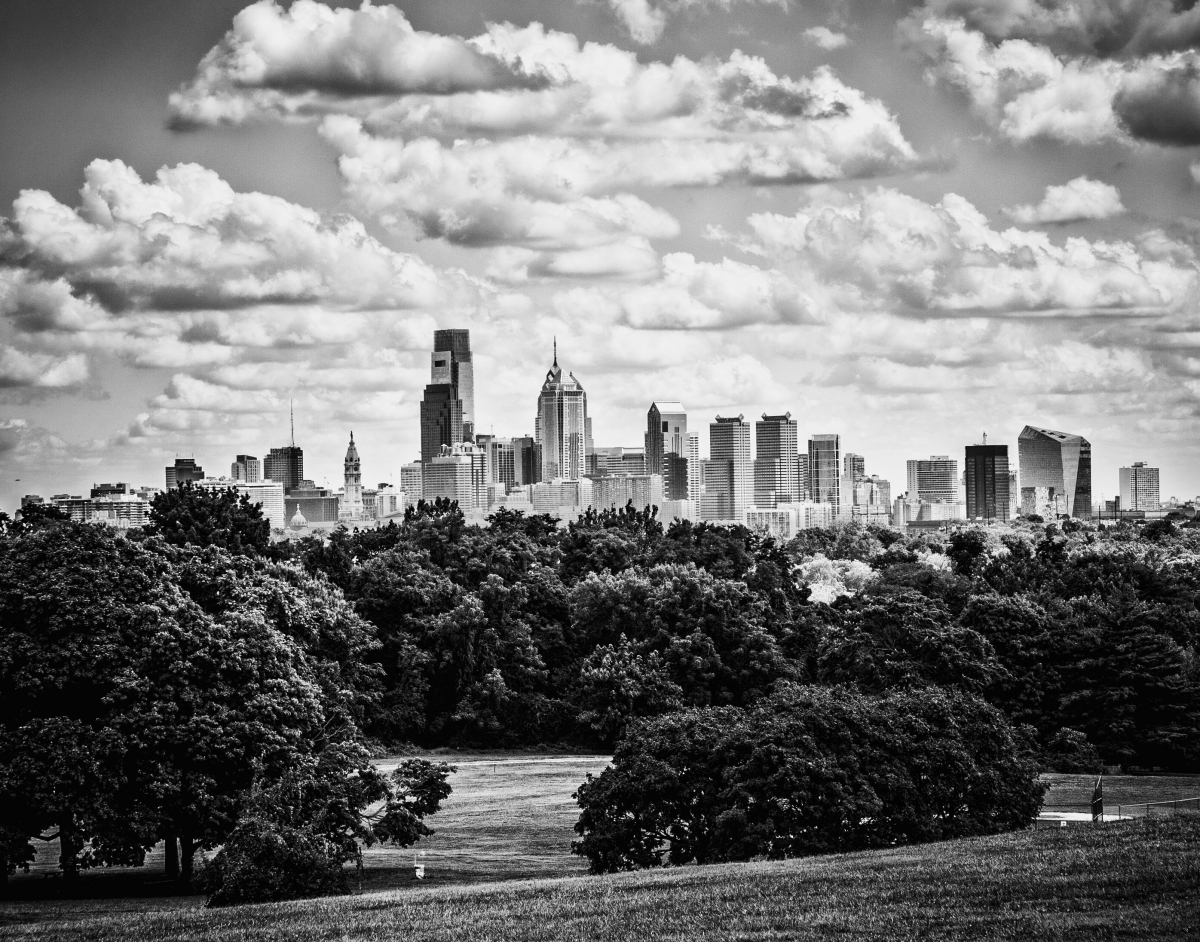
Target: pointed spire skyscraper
562, 425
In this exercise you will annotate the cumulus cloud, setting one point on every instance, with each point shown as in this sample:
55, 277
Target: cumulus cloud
887, 250
289, 62
1079, 199
542, 158
826, 38
1028, 90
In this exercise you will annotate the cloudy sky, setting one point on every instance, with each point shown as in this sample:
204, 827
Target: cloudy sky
907, 222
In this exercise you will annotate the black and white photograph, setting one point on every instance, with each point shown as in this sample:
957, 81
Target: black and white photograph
625, 470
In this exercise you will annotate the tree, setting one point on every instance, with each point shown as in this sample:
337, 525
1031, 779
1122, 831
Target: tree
808, 770
617, 685
145, 689
204, 516
966, 546
903, 640
296, 836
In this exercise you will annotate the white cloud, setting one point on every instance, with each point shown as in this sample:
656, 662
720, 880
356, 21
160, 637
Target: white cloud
826, 38
41, 370
1079, 199
646, 21
888, 250
1027, 90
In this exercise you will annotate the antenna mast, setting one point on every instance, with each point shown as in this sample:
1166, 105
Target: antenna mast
292, 416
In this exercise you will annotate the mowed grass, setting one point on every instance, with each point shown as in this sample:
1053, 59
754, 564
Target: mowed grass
1134, 880
1130, 793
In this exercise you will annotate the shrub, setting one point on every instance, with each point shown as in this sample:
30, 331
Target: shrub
265, 861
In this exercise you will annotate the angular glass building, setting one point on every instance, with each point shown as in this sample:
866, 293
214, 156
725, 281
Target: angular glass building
561, 425
451, 364
1056, 473
666, 433
825, 470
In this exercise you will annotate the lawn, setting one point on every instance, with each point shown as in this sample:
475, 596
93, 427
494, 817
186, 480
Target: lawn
1134, 880
510, 818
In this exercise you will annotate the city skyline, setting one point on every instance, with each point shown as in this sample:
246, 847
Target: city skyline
844, 212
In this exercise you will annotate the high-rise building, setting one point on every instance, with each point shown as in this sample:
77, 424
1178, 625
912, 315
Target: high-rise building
666, 433
695, 481
987, 482
184, 469
352, 493
441, 419
111, 490
729, 444
452, 366
457, 474
825, 471
284, 466
1056, 473
268, 495
617, 490
412, 480
315, 504
775, 468
561, 425
802, 486
527, 460
1139, 487
246, 468
675, 476
872, 500
933, 479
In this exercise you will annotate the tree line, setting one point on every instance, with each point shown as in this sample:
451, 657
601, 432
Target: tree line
1067, 647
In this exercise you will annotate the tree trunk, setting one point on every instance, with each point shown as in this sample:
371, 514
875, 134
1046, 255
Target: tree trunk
188, 852
171, 853
69, 846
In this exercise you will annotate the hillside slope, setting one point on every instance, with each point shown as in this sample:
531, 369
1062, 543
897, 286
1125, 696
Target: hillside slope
1133, 880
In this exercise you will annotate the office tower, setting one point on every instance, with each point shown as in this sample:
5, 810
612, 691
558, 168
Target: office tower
987, 482
1139, 487
933, 479
1056, 473
824, 471
111, 490
457, 474
854, 467
32, 500
666, 433
802, 486
184, 469
441, 419
675, 477
561, 425
872, 500
267, 495
616, 491
452, 366
352, 493
284, 466
729, 444
775, 470
716, 490
246, 468
527, 460
695, 479
412, 480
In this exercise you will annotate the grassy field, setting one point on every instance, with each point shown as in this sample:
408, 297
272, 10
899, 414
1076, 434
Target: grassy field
1133, 880
510, 818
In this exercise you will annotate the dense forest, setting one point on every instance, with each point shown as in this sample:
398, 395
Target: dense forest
155, 684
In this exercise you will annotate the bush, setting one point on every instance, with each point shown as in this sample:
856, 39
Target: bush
265, 861
808, 770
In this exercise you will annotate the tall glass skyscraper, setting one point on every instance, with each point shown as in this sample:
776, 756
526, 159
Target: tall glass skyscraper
776, 471
441, 420
285, 466
1056, 473
666, 433
562, 425
451, 363
825, 470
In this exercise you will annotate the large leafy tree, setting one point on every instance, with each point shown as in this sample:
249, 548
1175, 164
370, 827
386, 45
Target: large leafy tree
205, 516
144, 690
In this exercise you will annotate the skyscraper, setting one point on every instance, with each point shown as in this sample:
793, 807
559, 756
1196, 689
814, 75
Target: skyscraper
246, 468
441, 419
561, 425
666, 433
452, 365
352, 494
824, 470
776, 479
933, 479
987, 482
184, 469
285, 465
729, 451
1139, 487
1056, 473
695, 474
854, 469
